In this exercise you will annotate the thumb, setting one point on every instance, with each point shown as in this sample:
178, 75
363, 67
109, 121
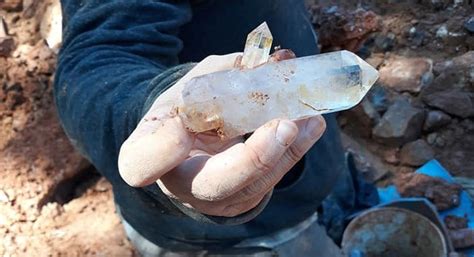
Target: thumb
143, 159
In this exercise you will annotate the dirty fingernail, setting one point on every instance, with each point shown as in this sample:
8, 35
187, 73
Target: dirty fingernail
286, 132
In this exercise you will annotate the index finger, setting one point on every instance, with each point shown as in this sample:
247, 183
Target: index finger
143, 159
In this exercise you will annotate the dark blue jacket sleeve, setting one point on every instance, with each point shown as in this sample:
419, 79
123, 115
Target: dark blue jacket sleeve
111, 52
117, 57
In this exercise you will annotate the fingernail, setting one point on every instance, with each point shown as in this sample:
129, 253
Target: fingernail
315, 126
286, 132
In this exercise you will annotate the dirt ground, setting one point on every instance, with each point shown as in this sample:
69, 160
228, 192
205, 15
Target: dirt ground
52, 203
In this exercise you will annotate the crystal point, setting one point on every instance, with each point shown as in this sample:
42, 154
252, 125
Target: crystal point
236, 102
257, 47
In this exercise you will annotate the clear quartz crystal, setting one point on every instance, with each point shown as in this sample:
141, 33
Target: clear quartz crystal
257, 47
236, 102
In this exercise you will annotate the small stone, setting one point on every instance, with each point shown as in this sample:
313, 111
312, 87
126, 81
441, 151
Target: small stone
385, 43
391, 156
370, 165
7, 45
462, 239
404, 170
378, 96
443, 194
3, 28
375, 59
406, 74
455, 222
418, 38
257, 47
11, 5
455, 102
436, 4
362, 118
401, 123
6, 42
442, 31
464, 63
4, 197
435, 120
431, 138
29, 8
340, 28
51, 26
469, 25
455, 38
440, 142
416, 153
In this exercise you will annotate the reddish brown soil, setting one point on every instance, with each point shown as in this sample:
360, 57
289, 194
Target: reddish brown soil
51, 203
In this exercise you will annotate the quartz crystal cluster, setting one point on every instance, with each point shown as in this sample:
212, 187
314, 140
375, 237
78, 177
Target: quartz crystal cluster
238, 101
257, 47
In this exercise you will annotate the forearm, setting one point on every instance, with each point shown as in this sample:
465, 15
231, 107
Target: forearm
111, 53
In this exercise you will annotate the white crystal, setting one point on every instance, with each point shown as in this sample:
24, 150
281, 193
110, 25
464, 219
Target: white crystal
235, 102
257, 47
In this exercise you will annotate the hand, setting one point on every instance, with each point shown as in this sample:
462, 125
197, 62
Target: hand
213, 176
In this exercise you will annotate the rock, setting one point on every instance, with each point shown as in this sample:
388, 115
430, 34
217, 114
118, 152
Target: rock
51, 26
462, 238
442, 194
375, 59
379, 97
362, 118
456, 156
340, 28
6, 42
11, 5
456, 38
385, 43
451, 35
461, 64
29, 8
469, 25
4, 197
406, 74
455, 102
435, 120
401, 123
7, 45
442, 31
370, 165
416, 153
416, 36
437, 4
455, 222
391, 156
3, 28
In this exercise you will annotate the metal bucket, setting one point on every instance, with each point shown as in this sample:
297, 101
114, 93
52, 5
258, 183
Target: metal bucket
393, 232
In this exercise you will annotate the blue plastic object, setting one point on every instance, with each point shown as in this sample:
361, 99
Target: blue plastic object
434, 169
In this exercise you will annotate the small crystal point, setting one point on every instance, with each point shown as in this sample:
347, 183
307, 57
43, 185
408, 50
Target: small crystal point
236, 101
257, 47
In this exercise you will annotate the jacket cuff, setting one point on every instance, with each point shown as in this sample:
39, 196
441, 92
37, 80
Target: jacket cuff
237, 220
165, 80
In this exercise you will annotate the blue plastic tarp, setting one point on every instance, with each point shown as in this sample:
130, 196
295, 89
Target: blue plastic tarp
434, 169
